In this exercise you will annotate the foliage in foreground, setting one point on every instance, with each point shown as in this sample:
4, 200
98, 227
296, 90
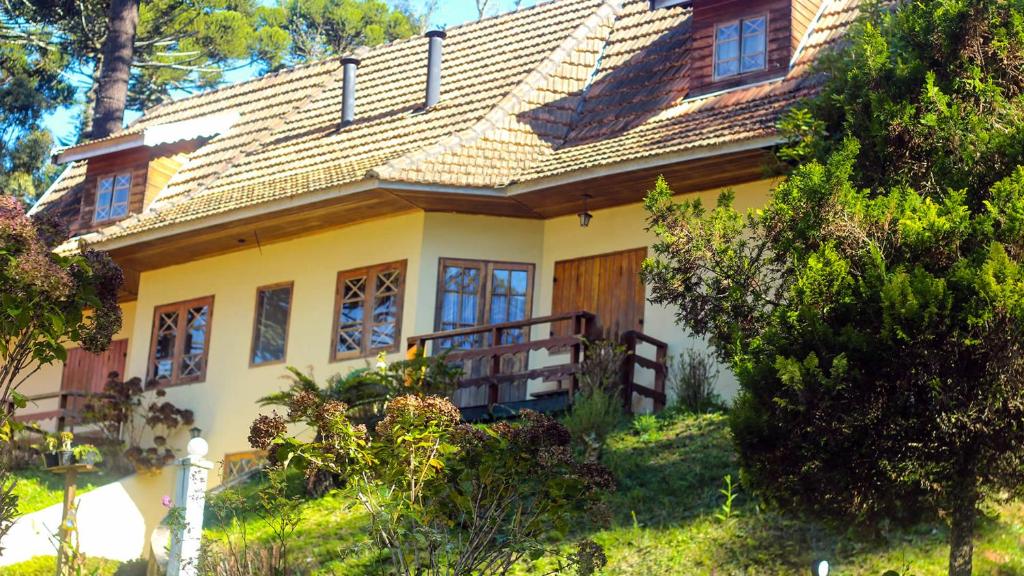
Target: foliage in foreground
663, 522
873, 310
448, 498
44, 299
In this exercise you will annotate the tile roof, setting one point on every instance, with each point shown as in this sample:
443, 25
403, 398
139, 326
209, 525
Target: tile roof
543, 91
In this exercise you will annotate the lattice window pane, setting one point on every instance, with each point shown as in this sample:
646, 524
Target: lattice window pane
753, 45
194, 352
163, 352
351, 313
103, 194
119, 201
384, 332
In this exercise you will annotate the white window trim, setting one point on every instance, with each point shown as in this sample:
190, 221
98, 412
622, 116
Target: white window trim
739, 48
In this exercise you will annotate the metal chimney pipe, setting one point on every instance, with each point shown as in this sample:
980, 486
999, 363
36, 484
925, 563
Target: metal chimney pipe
435, 37
348, 100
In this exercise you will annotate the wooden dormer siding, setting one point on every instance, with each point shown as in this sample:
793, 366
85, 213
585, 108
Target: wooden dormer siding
151, 168
788, 21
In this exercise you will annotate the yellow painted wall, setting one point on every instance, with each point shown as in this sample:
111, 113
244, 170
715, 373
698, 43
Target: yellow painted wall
225, 403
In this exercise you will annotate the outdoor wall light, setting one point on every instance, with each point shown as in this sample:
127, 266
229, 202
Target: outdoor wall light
820, 568
585, 216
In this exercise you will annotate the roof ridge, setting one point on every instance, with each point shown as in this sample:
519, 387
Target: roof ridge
269, 128
507, 106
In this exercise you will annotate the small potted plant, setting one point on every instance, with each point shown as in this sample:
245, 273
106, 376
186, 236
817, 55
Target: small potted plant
50, 456
87, 454
67, 455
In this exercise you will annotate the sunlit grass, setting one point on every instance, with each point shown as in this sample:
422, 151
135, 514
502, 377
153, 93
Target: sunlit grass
664, 522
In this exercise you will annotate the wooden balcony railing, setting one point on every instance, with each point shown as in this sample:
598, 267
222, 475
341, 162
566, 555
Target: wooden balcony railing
497, 354
633, 341
69, 411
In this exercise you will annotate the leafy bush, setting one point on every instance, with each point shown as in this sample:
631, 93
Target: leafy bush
365, 391
131, 413
594, 415
597, 408
235, 554
646, 426
691, 381
445, 497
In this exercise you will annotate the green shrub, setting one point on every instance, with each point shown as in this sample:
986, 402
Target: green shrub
593, 416
691, 382
450, 498
597, 408
646, 426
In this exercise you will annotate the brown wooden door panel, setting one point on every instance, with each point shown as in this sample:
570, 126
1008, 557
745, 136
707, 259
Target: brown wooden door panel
608, 285
87, 372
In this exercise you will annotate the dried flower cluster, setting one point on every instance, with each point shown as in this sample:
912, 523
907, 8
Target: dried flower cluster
265, 429
413, 412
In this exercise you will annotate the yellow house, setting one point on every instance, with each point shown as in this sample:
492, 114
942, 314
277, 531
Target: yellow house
487, 180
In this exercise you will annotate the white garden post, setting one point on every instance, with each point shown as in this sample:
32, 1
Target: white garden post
190, 494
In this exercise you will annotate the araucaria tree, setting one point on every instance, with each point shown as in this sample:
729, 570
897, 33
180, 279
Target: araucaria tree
873, 310
47, 300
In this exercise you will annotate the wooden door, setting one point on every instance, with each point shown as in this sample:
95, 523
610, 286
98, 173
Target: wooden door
608, 285
88, 372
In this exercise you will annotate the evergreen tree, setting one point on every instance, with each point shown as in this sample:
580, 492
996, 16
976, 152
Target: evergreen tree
30, 86
137, 53
873, 310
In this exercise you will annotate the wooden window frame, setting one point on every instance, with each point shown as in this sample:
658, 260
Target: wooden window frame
179, 341
113, 186
487, 267
256, 319
370, 272
739, 48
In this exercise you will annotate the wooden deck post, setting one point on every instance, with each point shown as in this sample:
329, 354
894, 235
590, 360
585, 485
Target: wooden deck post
492, 388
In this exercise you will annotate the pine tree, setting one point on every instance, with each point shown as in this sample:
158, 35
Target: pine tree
873, 310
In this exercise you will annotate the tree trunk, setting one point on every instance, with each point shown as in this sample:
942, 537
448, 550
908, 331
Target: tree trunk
118, 51
85, 126
961, 535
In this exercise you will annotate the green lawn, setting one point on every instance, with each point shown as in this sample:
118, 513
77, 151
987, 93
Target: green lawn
665, 522
37, 489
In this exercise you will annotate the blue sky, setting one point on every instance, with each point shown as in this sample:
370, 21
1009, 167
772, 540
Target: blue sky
448, 13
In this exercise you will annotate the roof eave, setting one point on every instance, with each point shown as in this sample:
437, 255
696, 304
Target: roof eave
100, 148
643, 163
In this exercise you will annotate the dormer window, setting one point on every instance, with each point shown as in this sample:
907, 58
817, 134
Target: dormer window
112, 193
740, 47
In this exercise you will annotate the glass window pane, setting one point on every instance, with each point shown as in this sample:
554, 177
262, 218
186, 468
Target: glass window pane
726, 68
520, 282
755, 62
103, 198
163, 350
728, 32
517, 308
727, 50
499, 309
500, 282
753, 26
382, 336
271, 324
